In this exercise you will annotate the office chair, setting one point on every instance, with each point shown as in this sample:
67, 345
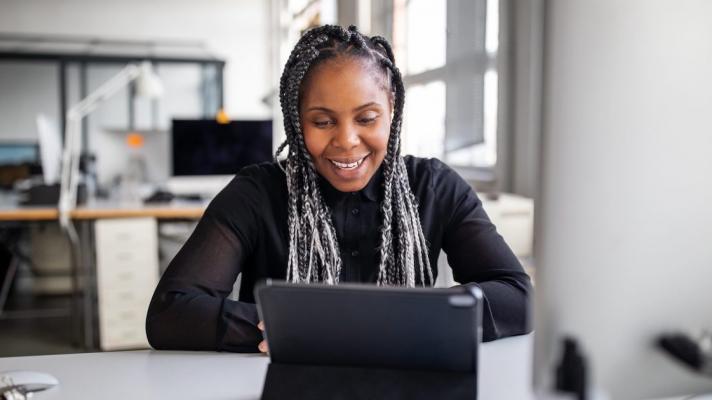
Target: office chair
8, 269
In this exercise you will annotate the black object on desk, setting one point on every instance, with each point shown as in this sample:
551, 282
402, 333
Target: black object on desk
48, 195
159, 196
693, 353
571, 373
162, 197
364, 342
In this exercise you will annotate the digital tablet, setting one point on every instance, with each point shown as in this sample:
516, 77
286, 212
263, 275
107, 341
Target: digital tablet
366, 325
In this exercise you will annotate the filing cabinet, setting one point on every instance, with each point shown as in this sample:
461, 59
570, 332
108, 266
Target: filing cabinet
513, 216
127, 273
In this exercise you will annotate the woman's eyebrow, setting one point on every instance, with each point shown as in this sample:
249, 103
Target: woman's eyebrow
319, 108
369, 104
328, 110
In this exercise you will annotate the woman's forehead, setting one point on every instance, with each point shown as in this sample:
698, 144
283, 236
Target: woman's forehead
345, 82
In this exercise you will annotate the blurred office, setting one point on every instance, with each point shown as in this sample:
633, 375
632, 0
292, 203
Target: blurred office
525, 99
155, 159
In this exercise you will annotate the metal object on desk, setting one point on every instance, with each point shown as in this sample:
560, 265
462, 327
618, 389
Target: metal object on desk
20, 385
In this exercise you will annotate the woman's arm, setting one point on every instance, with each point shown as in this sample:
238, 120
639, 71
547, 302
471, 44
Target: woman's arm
190, 309
479, 256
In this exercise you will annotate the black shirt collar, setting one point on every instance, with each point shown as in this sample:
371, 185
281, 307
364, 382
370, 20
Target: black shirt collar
371, 192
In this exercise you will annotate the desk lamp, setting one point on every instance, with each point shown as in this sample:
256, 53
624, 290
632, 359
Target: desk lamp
147, 85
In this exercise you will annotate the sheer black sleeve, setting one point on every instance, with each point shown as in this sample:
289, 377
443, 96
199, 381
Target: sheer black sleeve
190, 309
479, 256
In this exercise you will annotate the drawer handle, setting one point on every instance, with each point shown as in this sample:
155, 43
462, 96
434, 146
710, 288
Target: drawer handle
125, 276
124, 256
127, 295
123, 236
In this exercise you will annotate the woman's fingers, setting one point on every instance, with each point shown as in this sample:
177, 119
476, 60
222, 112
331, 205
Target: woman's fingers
263, 346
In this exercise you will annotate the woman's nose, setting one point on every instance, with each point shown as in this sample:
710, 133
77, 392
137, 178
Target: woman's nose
347, 137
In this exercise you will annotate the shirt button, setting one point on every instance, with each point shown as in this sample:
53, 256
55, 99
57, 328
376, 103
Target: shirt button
355, 211
354, 253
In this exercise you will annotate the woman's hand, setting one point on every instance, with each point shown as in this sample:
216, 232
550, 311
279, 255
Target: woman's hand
263, 344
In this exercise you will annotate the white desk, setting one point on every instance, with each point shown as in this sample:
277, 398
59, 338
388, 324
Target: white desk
505, 373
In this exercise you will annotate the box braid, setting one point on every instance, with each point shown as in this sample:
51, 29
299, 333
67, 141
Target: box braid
313, 245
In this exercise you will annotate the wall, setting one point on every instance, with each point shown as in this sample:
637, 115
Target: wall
236, 30
624, 223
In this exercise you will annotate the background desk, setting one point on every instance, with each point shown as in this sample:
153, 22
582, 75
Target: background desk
84, 269
505, 373
184, 210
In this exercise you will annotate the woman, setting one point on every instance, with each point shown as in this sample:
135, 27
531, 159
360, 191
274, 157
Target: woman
345, 206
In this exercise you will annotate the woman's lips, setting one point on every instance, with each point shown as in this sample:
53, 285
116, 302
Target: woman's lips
349, 168
348, 163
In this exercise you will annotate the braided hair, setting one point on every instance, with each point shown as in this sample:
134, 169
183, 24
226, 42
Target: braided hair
313, 245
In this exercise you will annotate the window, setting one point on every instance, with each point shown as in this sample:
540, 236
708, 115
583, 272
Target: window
425, 112
447, 51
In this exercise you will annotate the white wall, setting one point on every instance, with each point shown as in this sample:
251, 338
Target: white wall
624, 224
235, 30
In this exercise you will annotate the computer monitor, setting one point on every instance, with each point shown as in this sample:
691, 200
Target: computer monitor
18, 161
206, 154
624, 218
18, 153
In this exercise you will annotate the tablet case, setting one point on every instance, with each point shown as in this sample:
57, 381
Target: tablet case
364, 342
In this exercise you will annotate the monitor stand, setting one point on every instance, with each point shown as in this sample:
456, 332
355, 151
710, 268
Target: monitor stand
204, 186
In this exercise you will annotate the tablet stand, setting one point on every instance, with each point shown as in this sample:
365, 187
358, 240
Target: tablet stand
299, 381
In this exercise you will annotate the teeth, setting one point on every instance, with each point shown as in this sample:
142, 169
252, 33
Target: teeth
352, 165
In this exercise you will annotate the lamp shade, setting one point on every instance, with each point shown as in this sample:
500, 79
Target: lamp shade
148, 84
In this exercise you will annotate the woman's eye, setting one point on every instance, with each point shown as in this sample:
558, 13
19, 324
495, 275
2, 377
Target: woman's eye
322, 124
367, 120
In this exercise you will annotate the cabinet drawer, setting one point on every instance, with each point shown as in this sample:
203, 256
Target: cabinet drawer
124, 339
123, 334
126, 255
126, 233
123, 325
129, 298
132, 270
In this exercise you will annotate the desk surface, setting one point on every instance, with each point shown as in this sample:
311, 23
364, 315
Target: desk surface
98, 210
505, 373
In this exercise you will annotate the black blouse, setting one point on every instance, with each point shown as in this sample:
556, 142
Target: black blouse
244, 231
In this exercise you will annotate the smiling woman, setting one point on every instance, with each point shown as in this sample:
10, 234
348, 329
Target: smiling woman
345, 206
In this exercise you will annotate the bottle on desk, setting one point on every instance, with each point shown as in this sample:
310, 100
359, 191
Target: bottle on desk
134, 175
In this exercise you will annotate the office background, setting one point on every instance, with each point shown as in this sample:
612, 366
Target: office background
608, 97
460, 80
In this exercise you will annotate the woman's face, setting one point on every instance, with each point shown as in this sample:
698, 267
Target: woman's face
345, 113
